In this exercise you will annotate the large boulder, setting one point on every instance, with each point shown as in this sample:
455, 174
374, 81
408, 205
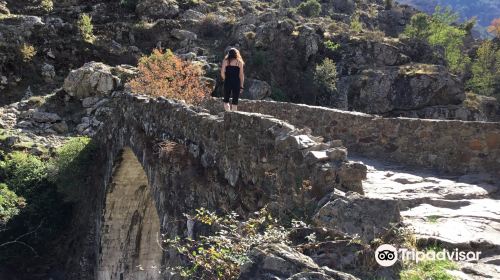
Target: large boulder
256, 89
182, 35
308, 41
18, 28
354, 214
48, 72
279, 261
409, 87
344, 6
156, 9
92, 79
3, 8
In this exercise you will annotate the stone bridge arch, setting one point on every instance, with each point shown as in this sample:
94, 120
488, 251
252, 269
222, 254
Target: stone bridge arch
131, 225
190, 158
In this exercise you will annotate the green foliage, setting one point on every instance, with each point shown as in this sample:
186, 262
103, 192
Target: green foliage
419, 26
278, 95
85, 27
69, 168
325, 79
486, 71
439, 30
10, 204
22, 172
432, 219
129, 4
221, 255
429, 269
47, 5
259, 59
332, 46
469, 24
43, 208
310, 8
325, 74
355, 23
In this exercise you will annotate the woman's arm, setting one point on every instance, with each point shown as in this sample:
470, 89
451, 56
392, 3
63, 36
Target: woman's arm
242, 77
223, 70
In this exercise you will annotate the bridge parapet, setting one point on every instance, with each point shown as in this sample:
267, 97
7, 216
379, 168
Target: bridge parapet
445, 145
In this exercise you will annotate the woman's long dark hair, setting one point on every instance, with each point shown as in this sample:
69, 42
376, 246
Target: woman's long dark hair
234, 54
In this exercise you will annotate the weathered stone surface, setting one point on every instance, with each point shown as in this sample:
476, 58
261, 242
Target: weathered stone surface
453, 211
90, 101
93, 78
44, 117
443, 145
131, 226
60, 127
340, 255
48, 72
180, 34
156, 9
337, 154
201, 164
357, 215
278, 261
309, 41
256, 89
402, 88
3, 8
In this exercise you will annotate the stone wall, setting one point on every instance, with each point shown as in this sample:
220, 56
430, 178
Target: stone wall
452, 146
229, 162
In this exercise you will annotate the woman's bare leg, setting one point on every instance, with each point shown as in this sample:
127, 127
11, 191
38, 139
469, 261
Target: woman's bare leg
227, 107
234, 107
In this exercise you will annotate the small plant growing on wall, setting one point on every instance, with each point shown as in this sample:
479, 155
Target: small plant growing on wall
356, 24
27, 52
86, 28
47, 5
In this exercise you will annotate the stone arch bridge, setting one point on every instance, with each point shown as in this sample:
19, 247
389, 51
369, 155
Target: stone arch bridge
159, 159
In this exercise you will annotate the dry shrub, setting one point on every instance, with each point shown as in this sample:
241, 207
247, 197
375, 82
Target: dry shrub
211, 26
27, 52
164, 74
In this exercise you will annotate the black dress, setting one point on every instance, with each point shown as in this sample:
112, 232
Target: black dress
232, 84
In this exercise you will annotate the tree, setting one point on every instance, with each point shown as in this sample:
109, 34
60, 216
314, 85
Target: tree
10, 204
486, 70
164, 74
325, 78
419, 26
440, 30
494, 28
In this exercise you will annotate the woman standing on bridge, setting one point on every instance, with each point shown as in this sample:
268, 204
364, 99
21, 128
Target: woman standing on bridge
233, 76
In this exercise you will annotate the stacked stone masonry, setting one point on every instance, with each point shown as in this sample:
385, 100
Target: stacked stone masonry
445, 145
191, 159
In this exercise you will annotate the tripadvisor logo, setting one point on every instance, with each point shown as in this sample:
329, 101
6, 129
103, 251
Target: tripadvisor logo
387, 255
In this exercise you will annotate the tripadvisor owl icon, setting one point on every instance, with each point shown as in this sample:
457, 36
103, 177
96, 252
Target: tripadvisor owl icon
386, 255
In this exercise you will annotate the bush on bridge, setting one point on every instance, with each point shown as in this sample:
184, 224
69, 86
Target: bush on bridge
164, 74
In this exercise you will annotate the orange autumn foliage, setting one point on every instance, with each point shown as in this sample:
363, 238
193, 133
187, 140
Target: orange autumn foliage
164, 74
494, 28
